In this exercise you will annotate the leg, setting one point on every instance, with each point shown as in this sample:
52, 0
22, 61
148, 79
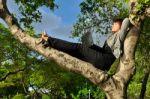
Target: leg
87, 39
99, 58
75, 49
65, 46
95, 57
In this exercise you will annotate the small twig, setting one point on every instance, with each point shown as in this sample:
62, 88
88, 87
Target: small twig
144, 82
11, 73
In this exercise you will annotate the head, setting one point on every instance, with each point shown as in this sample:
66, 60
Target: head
116, 25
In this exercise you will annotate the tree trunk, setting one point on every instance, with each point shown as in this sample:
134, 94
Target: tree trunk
115, 86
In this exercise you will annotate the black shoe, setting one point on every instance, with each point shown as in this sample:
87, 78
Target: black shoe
87, 39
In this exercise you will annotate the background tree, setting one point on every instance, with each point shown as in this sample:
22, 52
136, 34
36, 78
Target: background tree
94, 18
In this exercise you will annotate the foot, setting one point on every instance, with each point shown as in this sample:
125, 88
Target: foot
87, 39
44, 38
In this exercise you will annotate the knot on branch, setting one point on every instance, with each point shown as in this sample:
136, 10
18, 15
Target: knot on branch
147, 12
102, 77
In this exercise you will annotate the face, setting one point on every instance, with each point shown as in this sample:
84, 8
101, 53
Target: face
116, 27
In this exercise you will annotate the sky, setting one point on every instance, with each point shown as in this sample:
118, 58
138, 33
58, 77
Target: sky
60, 22
57, 23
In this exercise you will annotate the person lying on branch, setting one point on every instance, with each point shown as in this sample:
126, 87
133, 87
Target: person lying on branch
101, 57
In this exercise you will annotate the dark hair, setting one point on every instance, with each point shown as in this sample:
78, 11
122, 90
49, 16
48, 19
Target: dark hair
118, 20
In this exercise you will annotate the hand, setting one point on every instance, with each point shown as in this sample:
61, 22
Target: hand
44, 36
44, 40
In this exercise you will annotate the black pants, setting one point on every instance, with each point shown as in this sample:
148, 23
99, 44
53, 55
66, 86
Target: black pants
101, 58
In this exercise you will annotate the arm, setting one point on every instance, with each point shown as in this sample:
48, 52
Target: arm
124, 28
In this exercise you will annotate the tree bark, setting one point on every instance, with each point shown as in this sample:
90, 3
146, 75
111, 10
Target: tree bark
115, 86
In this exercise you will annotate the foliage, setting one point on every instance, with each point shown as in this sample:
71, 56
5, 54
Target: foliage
89, 93
141, 7
29, 10
145, 3
19, 96
45, 96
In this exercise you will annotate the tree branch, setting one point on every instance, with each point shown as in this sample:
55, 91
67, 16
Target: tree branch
11, 73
